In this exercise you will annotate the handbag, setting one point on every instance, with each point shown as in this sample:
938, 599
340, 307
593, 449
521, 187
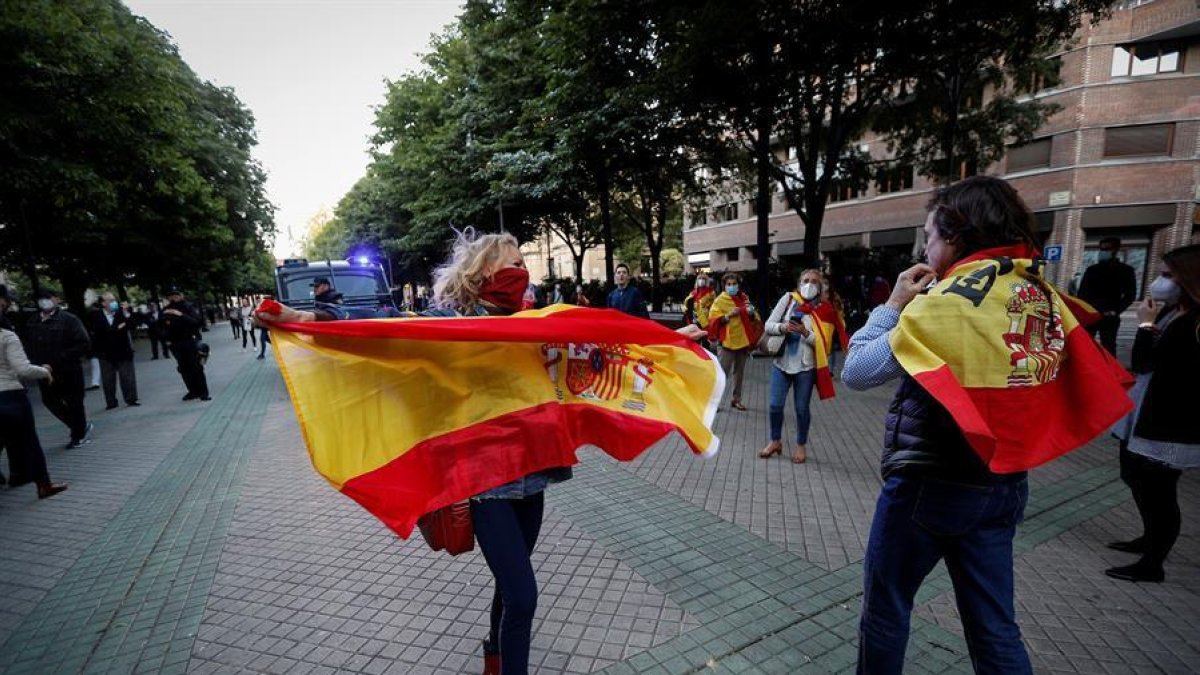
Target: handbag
449, 528
772, 345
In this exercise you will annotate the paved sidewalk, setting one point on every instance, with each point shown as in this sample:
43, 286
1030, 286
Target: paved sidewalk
196, 537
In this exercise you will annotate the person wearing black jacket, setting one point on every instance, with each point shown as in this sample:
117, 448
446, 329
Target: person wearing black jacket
1110, 287
181, 327
152, 318
1161, 437
113, 345
57, 338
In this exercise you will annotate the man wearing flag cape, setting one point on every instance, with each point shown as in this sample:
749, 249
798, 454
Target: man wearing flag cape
997, 377
469, 401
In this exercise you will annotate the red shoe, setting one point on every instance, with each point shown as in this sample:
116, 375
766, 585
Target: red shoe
49, 489
491, 664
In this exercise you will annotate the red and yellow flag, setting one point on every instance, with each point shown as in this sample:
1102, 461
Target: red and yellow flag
827, 323
406, 416
1000, 348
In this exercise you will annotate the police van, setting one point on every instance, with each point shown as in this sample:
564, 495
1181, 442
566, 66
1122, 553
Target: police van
361, 283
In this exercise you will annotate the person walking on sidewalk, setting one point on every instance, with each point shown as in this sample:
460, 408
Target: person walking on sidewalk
734, 323
26, 461
181, 326
57, 338
114, 347
154, 330
957, 443
795, 323
234, 314
1161, 437
1110, 286
246, 316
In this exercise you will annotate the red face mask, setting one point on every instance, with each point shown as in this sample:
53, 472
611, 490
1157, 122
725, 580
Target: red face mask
506, 288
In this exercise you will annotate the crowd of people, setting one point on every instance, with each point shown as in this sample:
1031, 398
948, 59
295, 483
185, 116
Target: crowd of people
941, 499
68, 354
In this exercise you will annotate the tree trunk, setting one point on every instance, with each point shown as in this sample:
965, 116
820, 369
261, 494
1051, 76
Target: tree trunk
656, 244
815, 206
762, 161
606, 220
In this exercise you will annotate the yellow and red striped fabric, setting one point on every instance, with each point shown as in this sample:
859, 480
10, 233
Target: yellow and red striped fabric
827, 322
406, 416
1001, 349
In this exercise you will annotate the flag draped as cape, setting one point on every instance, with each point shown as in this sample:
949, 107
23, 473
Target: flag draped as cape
1001, 349
408, 415
827, 322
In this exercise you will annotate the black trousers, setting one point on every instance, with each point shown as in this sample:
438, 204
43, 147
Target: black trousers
26, 461
1154, 488
248, 333
1106, 328
154, 342
109, 372
64, 399
507, 530
188, 358
236, 325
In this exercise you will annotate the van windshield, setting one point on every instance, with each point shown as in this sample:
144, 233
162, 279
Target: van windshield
346, 283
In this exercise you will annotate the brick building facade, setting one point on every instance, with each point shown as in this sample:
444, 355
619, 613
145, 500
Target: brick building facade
1121, 157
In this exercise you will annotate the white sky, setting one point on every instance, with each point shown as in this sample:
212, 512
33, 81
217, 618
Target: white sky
311, 71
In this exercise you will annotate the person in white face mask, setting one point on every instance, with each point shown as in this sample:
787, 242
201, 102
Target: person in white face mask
1111, 287
794, 366
1160, 437
57, 338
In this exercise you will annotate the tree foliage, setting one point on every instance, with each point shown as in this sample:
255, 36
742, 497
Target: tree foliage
118, 165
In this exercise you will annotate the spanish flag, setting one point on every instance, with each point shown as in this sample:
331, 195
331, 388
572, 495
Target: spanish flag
406, 416
1000, 348
827, 323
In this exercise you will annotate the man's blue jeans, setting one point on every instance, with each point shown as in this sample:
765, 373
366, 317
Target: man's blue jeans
803, 382
919, 521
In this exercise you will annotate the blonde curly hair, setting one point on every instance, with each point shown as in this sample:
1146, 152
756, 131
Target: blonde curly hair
457, 282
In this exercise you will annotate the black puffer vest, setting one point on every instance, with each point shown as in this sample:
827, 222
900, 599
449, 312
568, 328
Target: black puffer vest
922, 439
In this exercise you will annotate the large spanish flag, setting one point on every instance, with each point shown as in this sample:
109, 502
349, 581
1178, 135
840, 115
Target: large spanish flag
1001, 349
406, 416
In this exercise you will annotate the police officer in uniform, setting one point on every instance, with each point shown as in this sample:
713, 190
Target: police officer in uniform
181, 326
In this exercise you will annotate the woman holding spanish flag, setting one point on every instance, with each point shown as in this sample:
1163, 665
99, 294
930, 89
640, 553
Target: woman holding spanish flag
485, 276
735, 324
983, 347
807, 325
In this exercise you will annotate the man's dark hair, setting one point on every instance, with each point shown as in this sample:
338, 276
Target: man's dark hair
620, 265
981, 212
1115, 241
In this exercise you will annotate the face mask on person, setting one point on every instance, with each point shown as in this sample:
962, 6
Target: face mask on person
112, 306
701, 283
1108, 255
506, 289
46, 304
731, 290
1164, 290
810, 291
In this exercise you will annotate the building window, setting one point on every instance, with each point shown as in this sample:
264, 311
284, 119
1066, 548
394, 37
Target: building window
1033, 155
699, 217
1146, 58
840, 191
1050, 78
1139, 140
894, 178
725, 212
731, 254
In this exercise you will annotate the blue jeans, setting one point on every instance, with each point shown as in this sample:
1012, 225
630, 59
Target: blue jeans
803, 382
919, 521
507, 530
